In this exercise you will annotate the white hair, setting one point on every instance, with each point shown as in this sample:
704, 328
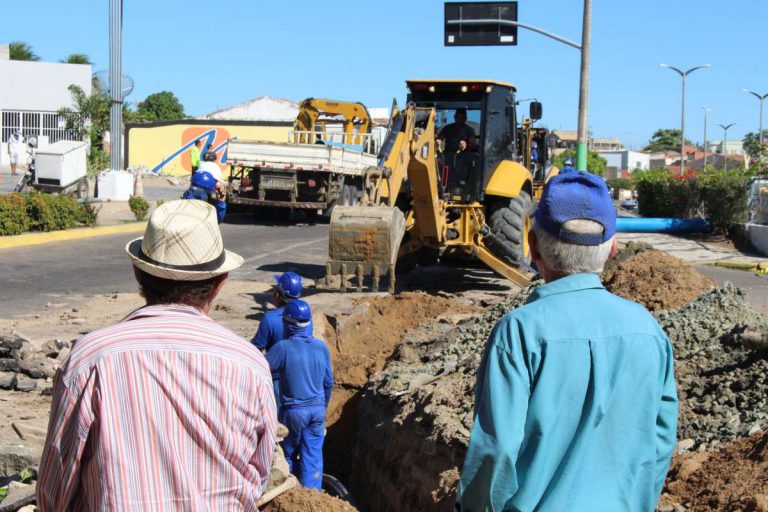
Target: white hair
569, 258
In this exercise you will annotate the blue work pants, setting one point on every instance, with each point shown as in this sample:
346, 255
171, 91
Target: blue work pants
303, 446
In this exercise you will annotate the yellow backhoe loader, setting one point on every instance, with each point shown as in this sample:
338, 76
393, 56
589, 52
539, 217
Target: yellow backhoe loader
430, 194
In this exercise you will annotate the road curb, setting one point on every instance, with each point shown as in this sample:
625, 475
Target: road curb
10, 242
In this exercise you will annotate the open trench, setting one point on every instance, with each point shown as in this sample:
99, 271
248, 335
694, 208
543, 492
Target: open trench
361, 343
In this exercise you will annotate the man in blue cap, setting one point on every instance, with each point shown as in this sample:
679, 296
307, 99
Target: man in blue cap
567, 166
205, 187
287, 288
575, 404
301, 368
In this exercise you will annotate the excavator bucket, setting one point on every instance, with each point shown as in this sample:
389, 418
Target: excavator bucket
364, 240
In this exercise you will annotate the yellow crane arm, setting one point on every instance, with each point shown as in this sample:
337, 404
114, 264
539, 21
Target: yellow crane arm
353, 114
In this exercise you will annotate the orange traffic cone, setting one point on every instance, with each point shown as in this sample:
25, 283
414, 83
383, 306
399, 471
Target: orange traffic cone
138, 187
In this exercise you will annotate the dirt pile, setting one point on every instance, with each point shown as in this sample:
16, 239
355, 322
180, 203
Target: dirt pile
655, 279
722, 385
734, 478
361, 342
307, 500
630, 249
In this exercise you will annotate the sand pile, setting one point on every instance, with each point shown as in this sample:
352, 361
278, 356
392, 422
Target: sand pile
655, 279
734, 478
300, 499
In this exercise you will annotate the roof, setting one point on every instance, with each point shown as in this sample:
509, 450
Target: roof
460, 81
263, 108
566, 134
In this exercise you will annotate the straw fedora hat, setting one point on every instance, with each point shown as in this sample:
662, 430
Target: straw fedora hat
182, 242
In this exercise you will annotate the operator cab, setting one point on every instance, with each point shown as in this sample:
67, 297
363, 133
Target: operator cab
469, 149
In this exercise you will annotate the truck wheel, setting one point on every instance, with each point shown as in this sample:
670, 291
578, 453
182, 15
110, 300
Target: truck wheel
349, 196
508, 220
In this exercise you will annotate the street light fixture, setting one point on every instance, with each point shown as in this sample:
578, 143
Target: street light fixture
725, 141
761, 98
707, 110
683, 74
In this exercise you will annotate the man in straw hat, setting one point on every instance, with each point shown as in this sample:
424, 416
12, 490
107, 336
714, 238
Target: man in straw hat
165, 410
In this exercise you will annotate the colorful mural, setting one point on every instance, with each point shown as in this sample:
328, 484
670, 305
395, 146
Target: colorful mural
163, 148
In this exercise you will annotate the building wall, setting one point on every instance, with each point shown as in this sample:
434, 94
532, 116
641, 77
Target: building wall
625, 160
40, 86
163, 148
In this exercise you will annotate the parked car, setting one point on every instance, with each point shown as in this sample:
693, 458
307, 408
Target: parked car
629, 204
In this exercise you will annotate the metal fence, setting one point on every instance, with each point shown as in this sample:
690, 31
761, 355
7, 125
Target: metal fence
49, 124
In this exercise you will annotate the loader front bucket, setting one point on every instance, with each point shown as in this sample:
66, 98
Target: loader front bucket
364, 240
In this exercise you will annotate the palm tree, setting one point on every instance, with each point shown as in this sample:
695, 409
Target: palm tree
76, 58
22, 51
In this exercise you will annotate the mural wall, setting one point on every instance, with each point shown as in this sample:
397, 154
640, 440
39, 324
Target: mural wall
163, 148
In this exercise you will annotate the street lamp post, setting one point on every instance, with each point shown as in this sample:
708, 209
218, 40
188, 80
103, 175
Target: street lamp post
586, 39
725, 141
761, 98
683, 74
706, 112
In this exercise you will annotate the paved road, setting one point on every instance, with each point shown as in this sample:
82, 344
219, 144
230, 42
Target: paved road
32, 276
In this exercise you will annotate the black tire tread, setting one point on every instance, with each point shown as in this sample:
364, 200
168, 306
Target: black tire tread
506, 219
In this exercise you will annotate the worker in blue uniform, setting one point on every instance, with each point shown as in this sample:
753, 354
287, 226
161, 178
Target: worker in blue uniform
567, 166
288, 287
301, 364
575, 403
207, 188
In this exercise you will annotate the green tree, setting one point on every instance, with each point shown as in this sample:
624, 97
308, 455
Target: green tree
666, 139
22, 51
752, 143
595, 163
88, 119
161, 106
76, 58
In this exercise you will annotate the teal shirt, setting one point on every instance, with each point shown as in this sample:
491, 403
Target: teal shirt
575, 406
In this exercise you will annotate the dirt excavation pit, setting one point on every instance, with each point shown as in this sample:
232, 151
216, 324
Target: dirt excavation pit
655, 279
361, 342
307, 500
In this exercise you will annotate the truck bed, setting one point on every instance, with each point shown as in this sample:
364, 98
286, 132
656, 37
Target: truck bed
319, 157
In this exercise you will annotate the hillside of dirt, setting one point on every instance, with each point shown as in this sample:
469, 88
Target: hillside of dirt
734, 478
656, 280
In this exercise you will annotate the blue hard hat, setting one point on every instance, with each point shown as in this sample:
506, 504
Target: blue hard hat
569, 161
204, 180
297, 312
289, 285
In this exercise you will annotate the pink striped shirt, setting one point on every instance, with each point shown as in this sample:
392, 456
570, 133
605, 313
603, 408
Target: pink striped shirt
165, 410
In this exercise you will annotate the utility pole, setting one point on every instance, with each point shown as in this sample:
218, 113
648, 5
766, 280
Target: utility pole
761, 98
725, 142
586, 39
683, 74
706, 112
115, 82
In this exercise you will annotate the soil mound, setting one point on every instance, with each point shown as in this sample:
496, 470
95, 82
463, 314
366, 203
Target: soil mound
734, 478
626, 252
300, 499
656, 280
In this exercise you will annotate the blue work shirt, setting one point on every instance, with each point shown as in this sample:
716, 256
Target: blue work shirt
202, 195
301, 365
270, 329
575, 406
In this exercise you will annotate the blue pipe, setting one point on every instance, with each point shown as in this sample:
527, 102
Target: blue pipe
662, 225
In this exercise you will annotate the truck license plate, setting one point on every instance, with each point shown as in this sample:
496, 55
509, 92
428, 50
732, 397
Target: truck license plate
277, 183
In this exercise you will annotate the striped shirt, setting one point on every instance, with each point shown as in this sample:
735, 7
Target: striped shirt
165, 410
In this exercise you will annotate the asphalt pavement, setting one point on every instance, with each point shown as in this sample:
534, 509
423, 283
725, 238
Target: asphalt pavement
35, 275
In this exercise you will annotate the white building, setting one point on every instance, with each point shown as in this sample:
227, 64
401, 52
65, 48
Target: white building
624, 161
32, 92
263, 108
732, 147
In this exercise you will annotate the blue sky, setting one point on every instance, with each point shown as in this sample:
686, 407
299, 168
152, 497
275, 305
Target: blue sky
215, 54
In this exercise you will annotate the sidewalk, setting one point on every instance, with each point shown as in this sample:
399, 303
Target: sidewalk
692, 251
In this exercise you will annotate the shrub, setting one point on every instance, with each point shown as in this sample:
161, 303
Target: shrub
89, 214
724, 198
13, 214
48, 212
159, 203
139, 206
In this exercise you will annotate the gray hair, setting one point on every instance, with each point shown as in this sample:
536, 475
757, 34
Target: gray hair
573, 258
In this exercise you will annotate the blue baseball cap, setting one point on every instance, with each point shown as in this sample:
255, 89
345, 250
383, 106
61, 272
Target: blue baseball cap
576, 195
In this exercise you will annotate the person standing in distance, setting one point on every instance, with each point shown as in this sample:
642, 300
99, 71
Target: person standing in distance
575, 404
288, 287
194, 156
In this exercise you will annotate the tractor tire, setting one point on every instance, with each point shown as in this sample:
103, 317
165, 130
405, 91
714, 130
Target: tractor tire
508, 219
